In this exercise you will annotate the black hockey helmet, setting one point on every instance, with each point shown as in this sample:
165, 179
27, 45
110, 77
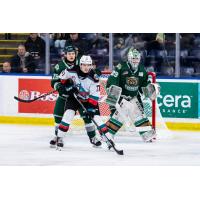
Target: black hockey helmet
69, 48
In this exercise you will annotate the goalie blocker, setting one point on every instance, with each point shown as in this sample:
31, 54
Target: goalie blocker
129, 108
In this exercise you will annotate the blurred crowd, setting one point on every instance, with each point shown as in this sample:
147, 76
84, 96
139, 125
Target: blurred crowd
157, 50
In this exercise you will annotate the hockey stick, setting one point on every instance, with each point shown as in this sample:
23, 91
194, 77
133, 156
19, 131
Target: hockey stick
119, 152
32, 100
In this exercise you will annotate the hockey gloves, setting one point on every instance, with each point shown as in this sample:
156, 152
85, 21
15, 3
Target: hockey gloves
90, 113
61, 89
70, 87
66, 88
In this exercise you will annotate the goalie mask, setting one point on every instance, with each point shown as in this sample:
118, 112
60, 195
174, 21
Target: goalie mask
85, 64
134, 58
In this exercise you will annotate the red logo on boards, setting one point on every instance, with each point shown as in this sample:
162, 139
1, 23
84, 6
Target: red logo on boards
32, 88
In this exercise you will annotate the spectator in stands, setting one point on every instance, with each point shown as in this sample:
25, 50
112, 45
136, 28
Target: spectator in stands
59, 41
187, 41
23, 62
106, 69
35, 45
157, 44
119, 43
81, 45
135, 41
6, 67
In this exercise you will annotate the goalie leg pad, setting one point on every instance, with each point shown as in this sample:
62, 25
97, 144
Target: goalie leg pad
142, 122
113, 125
145, 130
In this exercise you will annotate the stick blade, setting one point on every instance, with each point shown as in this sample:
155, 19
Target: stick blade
23, 100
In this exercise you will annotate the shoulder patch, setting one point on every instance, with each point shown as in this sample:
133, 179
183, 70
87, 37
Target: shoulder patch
119, 66
141, 73
57, 67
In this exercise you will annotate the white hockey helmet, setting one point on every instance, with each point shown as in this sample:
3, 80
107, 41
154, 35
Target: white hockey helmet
85, 63
134, 58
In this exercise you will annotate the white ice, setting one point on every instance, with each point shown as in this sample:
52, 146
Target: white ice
29, 146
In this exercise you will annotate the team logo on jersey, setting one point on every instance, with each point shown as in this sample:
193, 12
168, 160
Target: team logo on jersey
132, 81
119, 66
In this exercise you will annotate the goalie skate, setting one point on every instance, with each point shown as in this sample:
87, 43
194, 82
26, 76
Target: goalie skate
149, 136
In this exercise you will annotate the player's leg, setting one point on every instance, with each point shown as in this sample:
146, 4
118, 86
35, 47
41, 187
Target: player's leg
64, 126
117, 118
90, 129
114, 123
142, 123
71, 107
59, 110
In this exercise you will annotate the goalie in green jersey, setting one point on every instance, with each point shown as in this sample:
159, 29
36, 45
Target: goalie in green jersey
128, 80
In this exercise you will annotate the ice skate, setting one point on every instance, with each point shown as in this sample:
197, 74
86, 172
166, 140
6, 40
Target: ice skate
60, 144
53, 142
95, 141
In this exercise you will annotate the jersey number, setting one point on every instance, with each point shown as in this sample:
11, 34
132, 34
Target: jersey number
98, 88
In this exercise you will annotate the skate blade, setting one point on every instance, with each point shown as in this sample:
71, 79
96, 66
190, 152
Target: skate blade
52, 146
59, 148
97, 147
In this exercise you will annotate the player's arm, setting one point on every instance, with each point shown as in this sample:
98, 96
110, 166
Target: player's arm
94, 95
114, 78
55, 77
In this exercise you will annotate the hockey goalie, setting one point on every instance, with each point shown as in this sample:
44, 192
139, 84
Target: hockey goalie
124, 86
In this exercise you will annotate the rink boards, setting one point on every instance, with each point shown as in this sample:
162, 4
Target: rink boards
179, 102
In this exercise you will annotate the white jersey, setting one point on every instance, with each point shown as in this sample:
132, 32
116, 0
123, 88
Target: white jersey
86, 86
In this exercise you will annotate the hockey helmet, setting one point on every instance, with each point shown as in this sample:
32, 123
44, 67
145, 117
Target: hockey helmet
85, 64
134, 58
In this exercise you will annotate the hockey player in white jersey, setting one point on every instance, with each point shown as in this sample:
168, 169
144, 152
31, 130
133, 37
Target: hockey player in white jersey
87, 89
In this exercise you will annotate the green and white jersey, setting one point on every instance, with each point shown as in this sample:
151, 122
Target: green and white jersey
87, 87
130, 82
61, 66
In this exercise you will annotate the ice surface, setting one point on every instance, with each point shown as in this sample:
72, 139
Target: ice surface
29, 146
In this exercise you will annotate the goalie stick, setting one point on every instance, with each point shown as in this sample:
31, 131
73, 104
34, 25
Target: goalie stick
119, 152
32, 100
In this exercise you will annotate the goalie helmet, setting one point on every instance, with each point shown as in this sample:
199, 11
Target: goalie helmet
86, 64
134, 58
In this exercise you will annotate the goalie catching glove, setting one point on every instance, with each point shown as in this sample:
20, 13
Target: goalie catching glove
151, 91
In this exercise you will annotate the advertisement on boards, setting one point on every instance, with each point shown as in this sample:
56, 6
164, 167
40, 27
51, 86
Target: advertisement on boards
32, 88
